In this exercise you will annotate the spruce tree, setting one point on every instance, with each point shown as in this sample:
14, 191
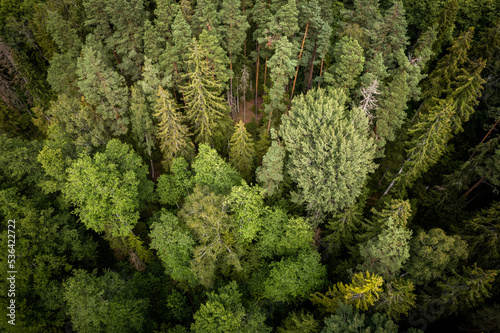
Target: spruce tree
241, 150
142, 127
205, 107
172, 133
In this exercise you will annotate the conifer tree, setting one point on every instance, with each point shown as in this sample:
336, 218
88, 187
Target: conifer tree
467, 290
397, 299
270, 174
233, 30
433, 253
386, 254
173, 134
206, 17
241, 150
348, 64
181, 40
287, 19
103, 88
282, 66
215, 57
330, 151
362, 292
441, 79
142, 127
205, 107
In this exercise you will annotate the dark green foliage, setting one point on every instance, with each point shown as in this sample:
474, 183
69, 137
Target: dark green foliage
103, 303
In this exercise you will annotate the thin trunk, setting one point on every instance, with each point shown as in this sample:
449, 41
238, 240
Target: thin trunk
321, 71
269, 122
311, 69
245, 106
473, 187
257, 80
298, 64
491, 129
394, 180
231, 79
265, 71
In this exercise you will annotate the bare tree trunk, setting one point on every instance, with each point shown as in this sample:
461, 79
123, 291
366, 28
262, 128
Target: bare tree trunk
392, 183
257, 80
474, 186
245, 106
265, 71
298, 64
321, 71
311, 69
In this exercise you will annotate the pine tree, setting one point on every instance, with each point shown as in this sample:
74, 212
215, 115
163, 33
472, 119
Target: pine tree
282, 65
348, 65
206, 17
102, 87
173, 134
243, 87
233, 30
202, 96
270, 174
241, 150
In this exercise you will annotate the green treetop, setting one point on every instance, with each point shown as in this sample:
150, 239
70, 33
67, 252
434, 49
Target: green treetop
173, 134
330, 151
270, 174
205, 106
241, 150
109, 189
103, 88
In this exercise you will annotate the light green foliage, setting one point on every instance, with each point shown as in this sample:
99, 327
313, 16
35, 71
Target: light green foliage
330, 151
141, 122
173, 134
467, 290
397, 299
247, 205
347, 319
109, 189
433, 253
173, 187
224, 312
174, 245
152, 79
205, 107
103, 303
211, 170
103, 88
282, 235
242, 150
270, 174
294, 278
303, 322
362, 292
205, 214
386, 254
348, 64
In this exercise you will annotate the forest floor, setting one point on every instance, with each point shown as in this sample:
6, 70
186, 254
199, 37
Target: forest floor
250, 114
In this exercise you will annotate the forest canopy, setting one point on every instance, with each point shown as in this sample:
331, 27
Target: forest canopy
306, 166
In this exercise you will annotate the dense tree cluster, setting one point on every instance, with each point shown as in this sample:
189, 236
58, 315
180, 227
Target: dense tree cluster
250, 165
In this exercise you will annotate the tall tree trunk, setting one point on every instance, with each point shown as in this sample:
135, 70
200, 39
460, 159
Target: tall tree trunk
321, 71
257, 80
474, 186
311, 69
298, 64
394, 180
265, 71
245, 106
231, 79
